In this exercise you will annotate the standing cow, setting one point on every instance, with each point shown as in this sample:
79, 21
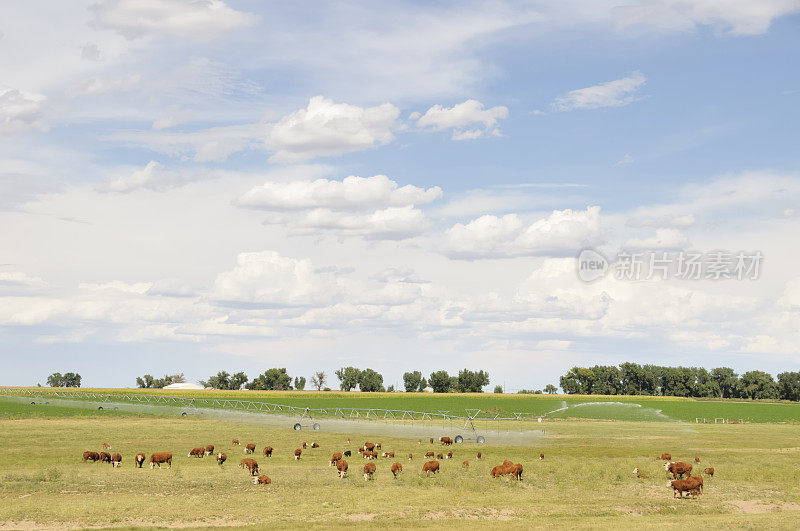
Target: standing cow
221, 458
91, 456
250, 449
678, 469
209, 449
160, 457
250, 464
297, 453
268, 451
116, 460
369, 471
341, 466
396, 469
139, 460
431, 467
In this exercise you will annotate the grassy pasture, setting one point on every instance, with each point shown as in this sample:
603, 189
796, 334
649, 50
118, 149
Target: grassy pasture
645, 408
585, 480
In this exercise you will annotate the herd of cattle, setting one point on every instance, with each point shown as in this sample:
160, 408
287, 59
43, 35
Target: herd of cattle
691, 485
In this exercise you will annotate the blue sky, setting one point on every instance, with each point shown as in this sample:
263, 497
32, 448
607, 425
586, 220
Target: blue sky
202, 186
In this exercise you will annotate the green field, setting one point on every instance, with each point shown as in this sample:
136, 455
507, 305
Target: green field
585, 480
645, 408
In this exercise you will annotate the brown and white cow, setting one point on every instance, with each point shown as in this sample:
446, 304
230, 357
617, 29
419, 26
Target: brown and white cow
449, 455
446, 441
221, 458
297, 453
541, 457
369, 446
268, 451
369, 470
679, 486
388, 454
696, 459
304, 445
314, 445
410, 457
250, 464
465, 464
105, 457
250, 448
666, 456
116, 460
378, 446
678, 469
106, 446
341, 466
431, 440
396, 469
431, 467
197, 452
209, 449
479, 455
507, 469
440, 456
139, 459
91, 456
429, 454
335, 458
709, 471
639, 474
262, 480
161, 457
235, 442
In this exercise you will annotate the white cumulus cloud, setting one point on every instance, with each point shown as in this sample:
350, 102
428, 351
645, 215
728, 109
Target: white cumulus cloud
615, 93
325, 128
21, 110
468, 120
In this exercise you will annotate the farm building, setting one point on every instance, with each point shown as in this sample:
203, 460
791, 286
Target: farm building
185, 385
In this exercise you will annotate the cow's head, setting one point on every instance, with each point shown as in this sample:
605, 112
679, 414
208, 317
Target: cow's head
635, 471
666, 466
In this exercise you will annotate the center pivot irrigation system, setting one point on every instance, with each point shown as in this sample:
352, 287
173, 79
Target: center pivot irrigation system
305, 414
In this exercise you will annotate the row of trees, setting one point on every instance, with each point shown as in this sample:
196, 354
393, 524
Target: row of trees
441, 382
722, 382
148, 382
68, 379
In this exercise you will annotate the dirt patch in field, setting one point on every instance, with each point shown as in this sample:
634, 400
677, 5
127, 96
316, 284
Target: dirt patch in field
756, 507
482, 513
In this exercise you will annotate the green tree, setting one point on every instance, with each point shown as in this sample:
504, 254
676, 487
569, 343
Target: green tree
578, 380
439, 381
606, 380
498, 389
300, 383
471, 381
348, 378
55, 380
423, 384
223, 380
318, 380
390, 389
273, 379
411, 381
550, 389
145, 381
370, 381
168, 379
758, 384
727, 382
789, 386
237, 381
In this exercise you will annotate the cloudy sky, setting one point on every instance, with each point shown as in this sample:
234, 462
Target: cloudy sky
198, 185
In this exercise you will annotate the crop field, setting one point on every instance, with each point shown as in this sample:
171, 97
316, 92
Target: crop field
585, 480
645, 408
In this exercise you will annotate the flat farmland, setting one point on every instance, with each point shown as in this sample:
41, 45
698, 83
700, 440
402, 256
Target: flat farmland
585, 480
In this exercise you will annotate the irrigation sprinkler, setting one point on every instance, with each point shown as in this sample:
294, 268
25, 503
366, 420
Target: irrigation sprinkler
298, 426
471, 414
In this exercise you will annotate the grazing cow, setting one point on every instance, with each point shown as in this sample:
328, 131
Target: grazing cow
465, 464
105, 457
696, 459
209, 449
341, 466
197, 452
541, 457
304, 445
449, 455
639, 474
160, 457
250, 464
431, 467
429, 454
410, 457
116, 460
439, 456
446, 441
139, 459
666, 457
106, 446
348, 453
709, 471
262, 480
678, 469
518, 471
378, 446
335, 458
679, 486
431, 440
479, 455
369, 470
235, 442
91, 456
388, 454
373, 455
314, 445
297, 453
268, 451
348, 440
507, 469
221, 457
250, 449
419, 442
396, 469
369, 446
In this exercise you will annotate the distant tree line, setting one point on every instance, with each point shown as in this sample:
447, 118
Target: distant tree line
467, 381
148, 382
722, 382
68, 379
